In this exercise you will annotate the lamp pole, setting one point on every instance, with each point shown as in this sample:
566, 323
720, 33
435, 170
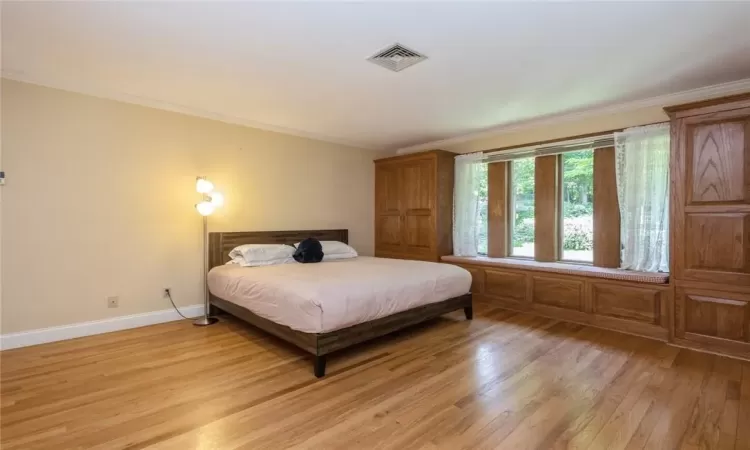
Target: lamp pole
205, 319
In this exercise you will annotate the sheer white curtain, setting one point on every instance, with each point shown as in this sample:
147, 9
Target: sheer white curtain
465, 204
642, 155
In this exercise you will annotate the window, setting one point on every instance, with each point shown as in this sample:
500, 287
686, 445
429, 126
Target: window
482, 209
578, 206
557, 182
522, 207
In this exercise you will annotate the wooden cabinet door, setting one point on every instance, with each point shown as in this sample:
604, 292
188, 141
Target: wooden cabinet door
711, 197
388, 199
418, 207
714, 320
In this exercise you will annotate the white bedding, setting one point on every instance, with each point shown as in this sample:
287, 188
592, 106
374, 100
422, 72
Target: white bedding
327, 296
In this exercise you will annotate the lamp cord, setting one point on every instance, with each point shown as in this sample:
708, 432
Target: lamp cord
169, 295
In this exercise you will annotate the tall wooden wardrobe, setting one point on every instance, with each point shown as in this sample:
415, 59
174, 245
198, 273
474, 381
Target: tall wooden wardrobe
414, 206
710, 263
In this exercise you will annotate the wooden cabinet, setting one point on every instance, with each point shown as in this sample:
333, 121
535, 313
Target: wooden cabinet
711, 224
631, 307
414, 206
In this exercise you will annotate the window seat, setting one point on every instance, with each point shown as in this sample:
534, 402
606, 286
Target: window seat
562, 268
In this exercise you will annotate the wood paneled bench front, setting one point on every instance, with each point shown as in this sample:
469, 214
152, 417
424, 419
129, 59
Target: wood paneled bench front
631, 302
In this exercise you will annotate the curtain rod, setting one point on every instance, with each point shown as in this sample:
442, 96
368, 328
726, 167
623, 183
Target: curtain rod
558, 144
580, 142
565, 139
601, 141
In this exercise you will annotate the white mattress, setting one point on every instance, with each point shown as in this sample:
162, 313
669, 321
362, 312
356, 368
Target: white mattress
327, 296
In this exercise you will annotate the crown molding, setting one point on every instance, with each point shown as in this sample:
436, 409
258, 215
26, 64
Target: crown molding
704, 93
124, 97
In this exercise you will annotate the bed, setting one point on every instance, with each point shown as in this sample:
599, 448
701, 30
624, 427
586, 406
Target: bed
328, 306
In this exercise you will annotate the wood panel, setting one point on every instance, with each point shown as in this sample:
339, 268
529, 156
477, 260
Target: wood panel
715, 317
677, 187
546, 208
418, 233
418, 185
388, 195
710, 196
713, 320
418, 199
506, 285
477, 280
718, 173
388, 221
389, 233
558, 292
627, 306
498, 216
713, 155
719, 242
641, 304
606, 210
712, 313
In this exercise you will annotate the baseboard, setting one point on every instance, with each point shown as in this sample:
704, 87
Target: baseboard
61, 333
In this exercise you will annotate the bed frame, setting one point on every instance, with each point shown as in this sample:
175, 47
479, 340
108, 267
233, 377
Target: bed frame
318, 344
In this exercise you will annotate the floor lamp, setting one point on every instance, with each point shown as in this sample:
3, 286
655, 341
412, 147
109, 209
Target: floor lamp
211, 201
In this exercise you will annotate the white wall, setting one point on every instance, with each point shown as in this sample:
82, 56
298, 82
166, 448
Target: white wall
100, 194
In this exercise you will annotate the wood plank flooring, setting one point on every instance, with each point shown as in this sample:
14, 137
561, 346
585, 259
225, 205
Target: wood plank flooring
503, 380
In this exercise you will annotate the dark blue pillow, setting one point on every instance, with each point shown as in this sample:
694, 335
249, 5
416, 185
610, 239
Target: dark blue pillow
309, 251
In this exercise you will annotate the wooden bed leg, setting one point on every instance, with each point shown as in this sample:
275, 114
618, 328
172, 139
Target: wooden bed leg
319, 366
469, 312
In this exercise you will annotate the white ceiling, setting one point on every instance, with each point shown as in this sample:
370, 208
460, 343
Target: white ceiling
300, 67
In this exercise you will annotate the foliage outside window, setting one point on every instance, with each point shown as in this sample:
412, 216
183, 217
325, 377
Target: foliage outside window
522, 212
578, 206
482, 210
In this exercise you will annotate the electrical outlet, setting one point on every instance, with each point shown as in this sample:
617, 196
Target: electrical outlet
113, 302
167, 292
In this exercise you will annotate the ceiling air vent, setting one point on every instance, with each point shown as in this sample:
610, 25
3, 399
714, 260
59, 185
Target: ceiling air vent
396, 58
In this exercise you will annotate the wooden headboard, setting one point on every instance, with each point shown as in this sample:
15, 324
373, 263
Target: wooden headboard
220, 244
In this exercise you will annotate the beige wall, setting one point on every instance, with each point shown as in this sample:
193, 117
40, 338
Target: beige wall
99, 201
563, 129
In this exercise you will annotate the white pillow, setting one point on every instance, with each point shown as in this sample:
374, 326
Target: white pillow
336, 250
254, 255
327, 257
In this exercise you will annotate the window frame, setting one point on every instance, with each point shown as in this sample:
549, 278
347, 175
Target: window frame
561, 211
502, 200
511, 211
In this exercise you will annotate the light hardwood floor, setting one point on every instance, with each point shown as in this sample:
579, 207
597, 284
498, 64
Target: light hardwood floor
503, 380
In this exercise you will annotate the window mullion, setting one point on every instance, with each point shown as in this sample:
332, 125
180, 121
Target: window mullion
546, 205
606, 210
498, 215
